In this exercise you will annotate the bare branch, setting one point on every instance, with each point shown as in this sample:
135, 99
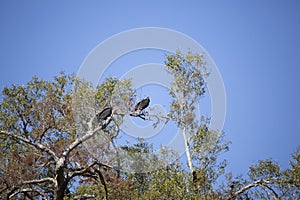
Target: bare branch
36, 181
103, 182
273, 191
90, 133
26, 190
43, 133
266, 188
85, 196
27, 141
83, 170
18, 188
142, 115
89, 171
261, 183
6, 187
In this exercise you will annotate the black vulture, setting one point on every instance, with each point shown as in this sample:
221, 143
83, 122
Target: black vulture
142, 104
104, 114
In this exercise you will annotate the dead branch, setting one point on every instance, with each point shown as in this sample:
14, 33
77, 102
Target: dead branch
26, 191
82, 171
259, 183
85, 196
101, 177
27, 141
37, 181
90, 133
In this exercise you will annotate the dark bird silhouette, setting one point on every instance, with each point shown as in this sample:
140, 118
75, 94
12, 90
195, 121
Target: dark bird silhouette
104, 114
195, 178
142, 104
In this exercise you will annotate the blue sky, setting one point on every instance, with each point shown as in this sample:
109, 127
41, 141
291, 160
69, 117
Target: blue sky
254, 44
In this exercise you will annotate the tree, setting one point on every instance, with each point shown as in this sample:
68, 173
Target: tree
41, 145
54, 147
267, 181
202, 144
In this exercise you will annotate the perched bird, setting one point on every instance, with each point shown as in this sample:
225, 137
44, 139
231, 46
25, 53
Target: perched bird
104, 114
142, 104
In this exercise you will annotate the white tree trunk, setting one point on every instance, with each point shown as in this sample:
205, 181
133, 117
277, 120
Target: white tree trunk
187, 150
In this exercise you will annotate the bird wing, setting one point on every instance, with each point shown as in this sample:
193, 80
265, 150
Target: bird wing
137, 106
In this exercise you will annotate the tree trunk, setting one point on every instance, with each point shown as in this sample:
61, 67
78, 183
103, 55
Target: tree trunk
61, 185
187, 150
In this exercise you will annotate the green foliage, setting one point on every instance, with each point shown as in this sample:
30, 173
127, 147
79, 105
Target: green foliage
269, 181
40, 113
188, 86
203, 146
54, 114
44, 112
168, 183
290, 181
264, 169
206, 147
115, 93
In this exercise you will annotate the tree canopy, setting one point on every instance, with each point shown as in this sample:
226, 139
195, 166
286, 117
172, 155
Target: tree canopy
53, 145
